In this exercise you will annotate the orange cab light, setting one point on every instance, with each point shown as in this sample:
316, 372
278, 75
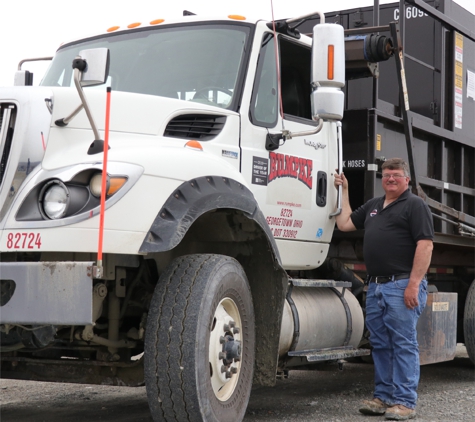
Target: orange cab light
157, 21
237, 17
115, 183
134, 25
113, 28
331, 62
194, 145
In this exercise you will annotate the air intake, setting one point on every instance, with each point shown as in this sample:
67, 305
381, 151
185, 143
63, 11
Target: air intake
195, 126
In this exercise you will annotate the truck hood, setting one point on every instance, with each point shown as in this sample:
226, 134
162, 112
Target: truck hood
37, 142
130, 112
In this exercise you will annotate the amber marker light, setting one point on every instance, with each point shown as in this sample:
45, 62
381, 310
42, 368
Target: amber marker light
134, 25
237, 17
113, 28
194, 145
331, 62
157, 21
115, 183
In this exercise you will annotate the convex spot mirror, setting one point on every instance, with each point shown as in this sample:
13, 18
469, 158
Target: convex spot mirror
96, 68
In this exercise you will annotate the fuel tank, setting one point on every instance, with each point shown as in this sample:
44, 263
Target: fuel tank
319, 318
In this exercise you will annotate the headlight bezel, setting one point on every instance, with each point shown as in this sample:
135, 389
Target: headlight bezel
45, 190
83, 205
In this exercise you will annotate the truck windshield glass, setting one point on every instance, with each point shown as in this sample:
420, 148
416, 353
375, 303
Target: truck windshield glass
199, 63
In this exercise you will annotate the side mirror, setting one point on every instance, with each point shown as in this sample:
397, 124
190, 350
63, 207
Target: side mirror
23, 78
328, 72
94, 66
91, 68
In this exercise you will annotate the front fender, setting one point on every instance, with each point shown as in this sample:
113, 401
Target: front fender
192, 199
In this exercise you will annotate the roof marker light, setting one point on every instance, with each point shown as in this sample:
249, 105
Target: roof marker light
237, 17
134, 25
194, 145
113, 28
157, 21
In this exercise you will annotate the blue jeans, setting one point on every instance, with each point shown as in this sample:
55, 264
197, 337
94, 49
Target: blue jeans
393, 336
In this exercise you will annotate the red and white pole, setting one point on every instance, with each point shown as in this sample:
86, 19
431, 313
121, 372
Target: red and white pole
104, 181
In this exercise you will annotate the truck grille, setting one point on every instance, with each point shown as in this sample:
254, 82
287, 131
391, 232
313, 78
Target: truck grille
195, 126
7, 123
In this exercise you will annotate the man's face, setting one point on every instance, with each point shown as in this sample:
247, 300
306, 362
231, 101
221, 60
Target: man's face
394, 182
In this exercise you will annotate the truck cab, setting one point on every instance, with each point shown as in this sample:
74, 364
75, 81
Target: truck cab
207, 181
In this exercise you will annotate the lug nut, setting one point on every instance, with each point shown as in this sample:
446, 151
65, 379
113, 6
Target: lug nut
237, 358
234, 370
222, 355
232, 324
228, 374
226, 328
223, 368
236, 330
222, 340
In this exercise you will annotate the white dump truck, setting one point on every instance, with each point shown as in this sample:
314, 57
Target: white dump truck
167, 210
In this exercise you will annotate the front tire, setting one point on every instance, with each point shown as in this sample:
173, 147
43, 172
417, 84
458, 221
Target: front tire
469, 322
199, 344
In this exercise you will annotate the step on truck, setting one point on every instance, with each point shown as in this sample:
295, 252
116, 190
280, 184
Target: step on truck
167, 203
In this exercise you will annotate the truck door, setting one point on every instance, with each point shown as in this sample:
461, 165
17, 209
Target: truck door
293, 181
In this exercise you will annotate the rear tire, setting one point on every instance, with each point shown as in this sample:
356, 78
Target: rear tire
469, 322
201, 304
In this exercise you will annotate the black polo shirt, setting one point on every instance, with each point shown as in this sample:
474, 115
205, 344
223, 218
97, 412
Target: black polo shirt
391, 233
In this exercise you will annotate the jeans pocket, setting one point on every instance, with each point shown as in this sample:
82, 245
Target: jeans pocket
423, 295
401, 284
424, 285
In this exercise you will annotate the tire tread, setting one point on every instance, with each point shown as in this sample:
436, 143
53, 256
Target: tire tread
171, 301
469, 322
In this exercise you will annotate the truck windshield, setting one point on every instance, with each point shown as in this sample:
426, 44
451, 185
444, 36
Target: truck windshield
199, 63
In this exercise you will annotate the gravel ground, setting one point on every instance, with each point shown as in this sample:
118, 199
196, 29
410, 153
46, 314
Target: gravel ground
446, 394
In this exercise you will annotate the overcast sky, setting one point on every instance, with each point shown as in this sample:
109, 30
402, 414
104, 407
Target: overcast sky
36, 28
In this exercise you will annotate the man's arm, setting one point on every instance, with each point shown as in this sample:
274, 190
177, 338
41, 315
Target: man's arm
343, 220
420, 265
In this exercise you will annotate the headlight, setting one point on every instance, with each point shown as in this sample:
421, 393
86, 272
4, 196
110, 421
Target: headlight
74, 193
95, 185
55, 200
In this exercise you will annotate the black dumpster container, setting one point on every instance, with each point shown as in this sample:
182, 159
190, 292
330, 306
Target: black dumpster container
439, 62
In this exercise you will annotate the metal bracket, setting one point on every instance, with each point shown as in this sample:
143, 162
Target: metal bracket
97, 271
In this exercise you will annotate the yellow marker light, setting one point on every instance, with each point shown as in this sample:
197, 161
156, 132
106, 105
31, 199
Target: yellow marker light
157, 21
331, 62
113, 28
194, 145
134, 25
115, 183
237, 17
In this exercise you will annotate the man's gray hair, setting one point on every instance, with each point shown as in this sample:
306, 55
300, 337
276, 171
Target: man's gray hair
396, 164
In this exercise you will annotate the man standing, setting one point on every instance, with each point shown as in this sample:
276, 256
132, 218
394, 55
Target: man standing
397, 251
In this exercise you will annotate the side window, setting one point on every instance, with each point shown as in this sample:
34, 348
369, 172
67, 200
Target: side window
264, 107
295, 78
